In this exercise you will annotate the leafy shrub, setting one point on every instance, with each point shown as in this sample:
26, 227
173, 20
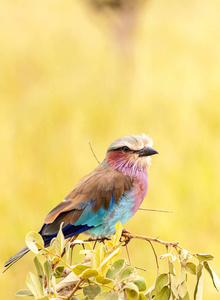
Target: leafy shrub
102, 276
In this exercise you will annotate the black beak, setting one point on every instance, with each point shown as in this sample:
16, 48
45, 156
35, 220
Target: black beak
147, 151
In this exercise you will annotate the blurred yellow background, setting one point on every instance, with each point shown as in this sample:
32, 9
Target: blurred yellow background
67, 77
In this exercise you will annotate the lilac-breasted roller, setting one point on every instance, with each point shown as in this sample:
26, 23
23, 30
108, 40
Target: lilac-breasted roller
112, 192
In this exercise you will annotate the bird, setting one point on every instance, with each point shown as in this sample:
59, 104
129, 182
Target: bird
112, 192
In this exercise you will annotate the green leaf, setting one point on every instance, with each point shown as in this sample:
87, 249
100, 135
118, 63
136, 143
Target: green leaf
34, 285
103, 280
182, 275
112, 296
53, 280
115, 268
107, 296
132, 291
24, 293
60, 241
98, 256
53, 259
215, 279
164, 294
199, 283
67, 247
173, 287
53, 245
92, 291
161, 281
109, 257
39, 269
58, 271
191, 268
182, 289
149, 291
118, 233
86, 251
140, 282
47, 269
78, 269
74, 298
48, 272
32, 238
126, 273
89, 273
172, 269
186, 297
141, 297
204, 257
101, 296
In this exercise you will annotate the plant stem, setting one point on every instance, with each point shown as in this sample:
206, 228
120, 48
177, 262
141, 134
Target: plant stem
50, 252
75, 288
155, 254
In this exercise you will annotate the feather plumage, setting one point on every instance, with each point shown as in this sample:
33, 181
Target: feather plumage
112, 192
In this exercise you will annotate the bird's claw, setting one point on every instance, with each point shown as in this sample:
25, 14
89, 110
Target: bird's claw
126, 241
102, 240
124, 230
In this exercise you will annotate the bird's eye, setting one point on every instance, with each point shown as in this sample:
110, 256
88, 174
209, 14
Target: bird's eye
125, 149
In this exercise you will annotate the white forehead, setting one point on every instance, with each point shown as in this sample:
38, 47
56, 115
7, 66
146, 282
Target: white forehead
134, 142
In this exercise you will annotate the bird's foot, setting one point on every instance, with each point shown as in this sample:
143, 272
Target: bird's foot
124, 230
127, 238
102, 240
126, 241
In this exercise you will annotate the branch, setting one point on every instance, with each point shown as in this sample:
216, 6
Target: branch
149, 239
75, 288
129, 236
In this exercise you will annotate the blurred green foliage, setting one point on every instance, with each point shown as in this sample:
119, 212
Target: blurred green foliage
65, 81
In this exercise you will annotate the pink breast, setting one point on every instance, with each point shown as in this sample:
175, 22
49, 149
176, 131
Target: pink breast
140, 185
140, 190
120, 161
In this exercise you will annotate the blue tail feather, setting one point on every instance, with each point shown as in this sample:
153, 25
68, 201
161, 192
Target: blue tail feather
15, 258
68, 231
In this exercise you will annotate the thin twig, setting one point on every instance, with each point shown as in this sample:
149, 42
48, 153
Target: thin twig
157, 210
139, 268
72, 239
155, 254
129, 259
93, 153
94, 244
50, 252
168, 258
71, 256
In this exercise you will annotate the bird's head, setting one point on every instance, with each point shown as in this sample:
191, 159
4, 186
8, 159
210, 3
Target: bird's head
132, 151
